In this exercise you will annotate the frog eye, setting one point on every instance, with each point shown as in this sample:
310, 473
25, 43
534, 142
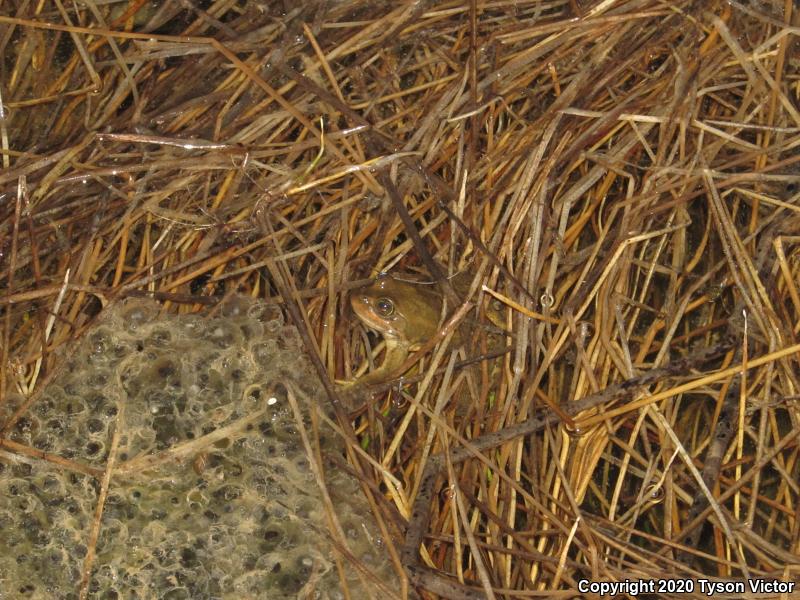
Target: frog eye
384, 307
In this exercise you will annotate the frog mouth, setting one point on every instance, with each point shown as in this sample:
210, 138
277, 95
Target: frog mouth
379, 328
379, 332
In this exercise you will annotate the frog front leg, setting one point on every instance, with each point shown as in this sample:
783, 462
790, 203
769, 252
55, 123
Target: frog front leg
395, 355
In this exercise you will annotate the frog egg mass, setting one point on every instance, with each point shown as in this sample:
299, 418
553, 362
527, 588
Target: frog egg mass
212, 495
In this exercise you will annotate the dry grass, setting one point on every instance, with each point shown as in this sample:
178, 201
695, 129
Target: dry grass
625, 169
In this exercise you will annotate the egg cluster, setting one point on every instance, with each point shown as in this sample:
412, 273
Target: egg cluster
212, 496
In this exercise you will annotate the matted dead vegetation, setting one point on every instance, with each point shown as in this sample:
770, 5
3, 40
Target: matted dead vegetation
620, 175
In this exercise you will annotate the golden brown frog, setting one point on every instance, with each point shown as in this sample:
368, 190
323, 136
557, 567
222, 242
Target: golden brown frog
406, 314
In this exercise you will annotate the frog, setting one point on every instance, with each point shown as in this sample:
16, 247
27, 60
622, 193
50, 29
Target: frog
406, 314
